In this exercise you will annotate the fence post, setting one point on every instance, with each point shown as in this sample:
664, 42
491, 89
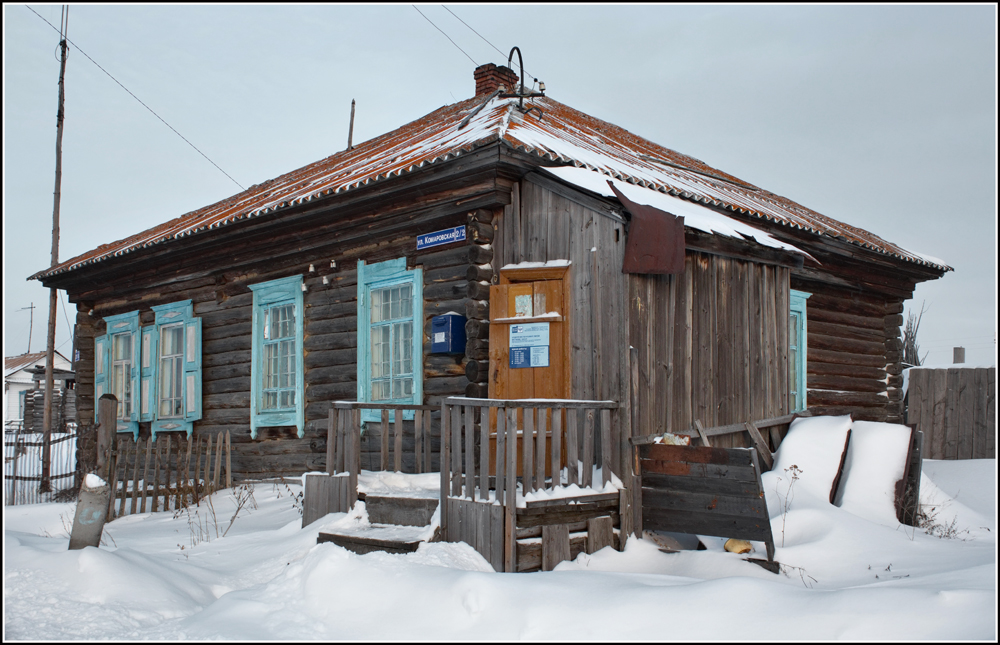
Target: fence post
91, 513
107, 426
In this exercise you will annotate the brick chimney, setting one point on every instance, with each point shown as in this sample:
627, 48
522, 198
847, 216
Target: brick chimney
489, 77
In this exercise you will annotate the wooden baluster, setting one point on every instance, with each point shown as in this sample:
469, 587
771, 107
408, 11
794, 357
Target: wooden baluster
229, 462
557, 415
397, 448
427, 442
385, 440
331, 440
572, 449
126, 444
527, 443
218, 462
156, 477
484, 454
418, 440
470, 454
510, 506
540, 449
456, 451
501, 456
445, 466
588, 448
605, 446
135, 477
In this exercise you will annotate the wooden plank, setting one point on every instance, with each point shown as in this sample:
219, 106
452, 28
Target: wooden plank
456, 451
951, 416
167, 469
606, 447
599, 533
496, 536
135, 477
991, 414
572, 454
965, 405
331, 440
571, 502
354, 465
762, 447
695, 454
937, 433
701, 434
588, 448
501, 456
470, 454
397, 447
384, 435
156, 477
681, 469
717, 485
980, 380
540, 449
510, 503
124, 462
527, 444
187, 467
556, 468
418, 440
445, 468
427, 442
555, 546
145, 474
218, 461
484, 454
708, 503
699, 523
229, 462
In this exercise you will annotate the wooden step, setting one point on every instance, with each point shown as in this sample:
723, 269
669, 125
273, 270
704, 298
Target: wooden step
362, 545
390, 538
403, 511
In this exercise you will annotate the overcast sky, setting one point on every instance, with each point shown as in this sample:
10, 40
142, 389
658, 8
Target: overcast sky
881, 117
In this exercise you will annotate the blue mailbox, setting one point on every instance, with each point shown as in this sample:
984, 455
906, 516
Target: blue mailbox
448, 334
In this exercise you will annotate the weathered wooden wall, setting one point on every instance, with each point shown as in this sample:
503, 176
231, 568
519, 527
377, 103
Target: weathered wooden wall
546, 221
955, 408
712, 344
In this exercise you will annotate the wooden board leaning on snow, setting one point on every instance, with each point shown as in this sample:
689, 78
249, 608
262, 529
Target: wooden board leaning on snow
705, 491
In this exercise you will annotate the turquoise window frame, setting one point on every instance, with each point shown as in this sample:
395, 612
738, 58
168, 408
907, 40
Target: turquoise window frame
276, 293
127, 323
175, 313
797, 352
378, 276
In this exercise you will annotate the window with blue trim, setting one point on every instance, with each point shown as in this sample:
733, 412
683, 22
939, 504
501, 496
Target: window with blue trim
797, 349
276, 386
390, 335
154, 372
116, 368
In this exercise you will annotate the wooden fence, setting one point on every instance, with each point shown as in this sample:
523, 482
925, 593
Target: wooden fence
955, 408
164, 474
22, 461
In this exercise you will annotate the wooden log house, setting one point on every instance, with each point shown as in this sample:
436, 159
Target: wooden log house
252, 315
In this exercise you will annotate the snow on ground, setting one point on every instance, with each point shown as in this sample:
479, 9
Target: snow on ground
170, 576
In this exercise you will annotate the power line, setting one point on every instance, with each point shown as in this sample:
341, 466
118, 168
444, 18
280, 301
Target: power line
143, 104
445, 35
527, 73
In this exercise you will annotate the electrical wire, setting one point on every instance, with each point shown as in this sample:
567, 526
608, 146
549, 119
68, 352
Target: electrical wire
526, 72
445, 35
140, 101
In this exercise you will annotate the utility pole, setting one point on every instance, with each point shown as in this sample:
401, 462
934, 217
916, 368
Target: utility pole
31, 322
46, 484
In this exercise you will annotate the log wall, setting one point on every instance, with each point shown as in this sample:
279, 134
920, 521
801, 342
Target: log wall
219, 288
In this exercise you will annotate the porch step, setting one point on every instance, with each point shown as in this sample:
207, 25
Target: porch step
404, 511
391, 538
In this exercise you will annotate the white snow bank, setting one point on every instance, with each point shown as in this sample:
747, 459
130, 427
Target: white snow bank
815, 445
876, 460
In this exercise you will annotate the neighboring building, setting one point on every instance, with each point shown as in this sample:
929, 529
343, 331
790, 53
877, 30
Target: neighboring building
19, 382
253, 314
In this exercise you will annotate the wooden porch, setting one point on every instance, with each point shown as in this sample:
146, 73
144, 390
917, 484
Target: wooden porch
497, 490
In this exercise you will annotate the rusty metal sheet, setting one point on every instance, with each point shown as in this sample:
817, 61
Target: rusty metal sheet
655, 239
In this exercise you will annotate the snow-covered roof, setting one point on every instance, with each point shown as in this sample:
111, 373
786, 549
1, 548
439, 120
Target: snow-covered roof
561, 134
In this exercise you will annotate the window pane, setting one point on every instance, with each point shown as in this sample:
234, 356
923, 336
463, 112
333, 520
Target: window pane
793, 330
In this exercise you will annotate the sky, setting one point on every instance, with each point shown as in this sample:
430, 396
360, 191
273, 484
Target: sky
880, 117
